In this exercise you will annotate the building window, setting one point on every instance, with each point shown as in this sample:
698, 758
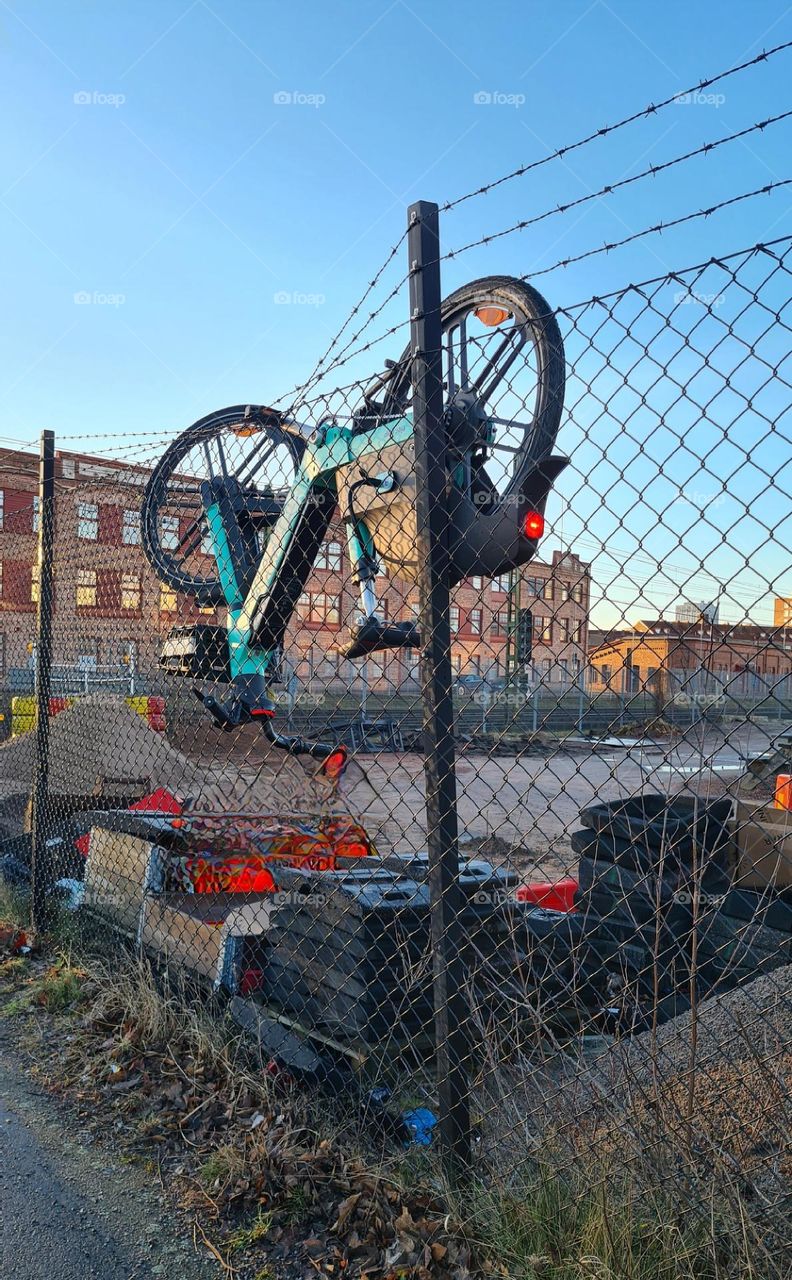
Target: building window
87, 521
501, 583
500, 623
35, 578
130, 529
36, 513
130, 591
319, 607
167, 599
453, 618
547, 589
577, 633
544, 627
169, 533
477, 582
329, 557
606, 675
565, 629
86, 588
474, 621
577, 593
533, 586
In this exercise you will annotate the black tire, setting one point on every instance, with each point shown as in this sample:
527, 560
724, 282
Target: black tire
206, 590
536, 315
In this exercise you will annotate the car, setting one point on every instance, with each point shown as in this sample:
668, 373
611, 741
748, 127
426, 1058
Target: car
472, 683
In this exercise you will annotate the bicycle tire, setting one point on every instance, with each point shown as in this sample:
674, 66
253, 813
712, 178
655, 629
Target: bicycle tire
549, 348
205, 590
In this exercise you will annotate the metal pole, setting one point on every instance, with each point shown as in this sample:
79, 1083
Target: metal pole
452, 1013
40, 800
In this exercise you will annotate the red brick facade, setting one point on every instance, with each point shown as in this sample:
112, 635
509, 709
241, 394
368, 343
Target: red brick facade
109, 603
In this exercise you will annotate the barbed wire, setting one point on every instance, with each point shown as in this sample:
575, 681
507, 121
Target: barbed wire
605, 130
609, 188
655, 229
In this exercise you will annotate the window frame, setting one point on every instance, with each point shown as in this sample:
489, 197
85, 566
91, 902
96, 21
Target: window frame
135, 591
87, 518
90, 586
130, 527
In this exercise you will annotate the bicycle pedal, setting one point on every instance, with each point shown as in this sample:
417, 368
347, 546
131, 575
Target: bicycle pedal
372, 635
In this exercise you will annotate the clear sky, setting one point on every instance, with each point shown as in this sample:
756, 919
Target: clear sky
185, 166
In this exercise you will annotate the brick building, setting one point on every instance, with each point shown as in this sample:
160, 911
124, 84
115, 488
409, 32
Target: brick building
629, 660
111, 610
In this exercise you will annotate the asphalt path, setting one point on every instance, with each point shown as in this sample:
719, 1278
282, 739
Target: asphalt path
69, 1211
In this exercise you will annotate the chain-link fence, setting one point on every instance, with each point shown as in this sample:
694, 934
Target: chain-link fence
485, 794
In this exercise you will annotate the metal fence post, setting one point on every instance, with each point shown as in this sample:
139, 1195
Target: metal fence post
40, 798
451, 1006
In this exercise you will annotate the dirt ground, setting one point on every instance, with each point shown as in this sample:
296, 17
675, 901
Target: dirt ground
519, 809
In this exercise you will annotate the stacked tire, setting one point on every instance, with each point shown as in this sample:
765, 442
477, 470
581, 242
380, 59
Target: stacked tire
653, 871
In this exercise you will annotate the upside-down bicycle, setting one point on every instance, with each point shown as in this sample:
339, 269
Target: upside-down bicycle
236, 511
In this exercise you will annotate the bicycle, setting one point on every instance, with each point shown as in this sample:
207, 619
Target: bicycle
261, 537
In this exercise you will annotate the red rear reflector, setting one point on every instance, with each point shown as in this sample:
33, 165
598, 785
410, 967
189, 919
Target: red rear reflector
261, 711
335, 764
533, 525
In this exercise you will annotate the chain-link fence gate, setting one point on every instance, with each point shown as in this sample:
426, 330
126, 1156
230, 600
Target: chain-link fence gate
496, 829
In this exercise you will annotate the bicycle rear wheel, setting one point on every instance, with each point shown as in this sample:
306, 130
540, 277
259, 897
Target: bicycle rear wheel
503, 361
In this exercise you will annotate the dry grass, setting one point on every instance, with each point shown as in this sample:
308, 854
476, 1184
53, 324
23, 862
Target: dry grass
258, 1168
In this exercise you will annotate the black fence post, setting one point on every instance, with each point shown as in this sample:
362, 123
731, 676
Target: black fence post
40, 801
451, 1007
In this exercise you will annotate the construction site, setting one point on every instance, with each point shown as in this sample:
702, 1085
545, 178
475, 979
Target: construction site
395, 860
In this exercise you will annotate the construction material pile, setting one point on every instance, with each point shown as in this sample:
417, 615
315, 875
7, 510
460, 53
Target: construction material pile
101, 742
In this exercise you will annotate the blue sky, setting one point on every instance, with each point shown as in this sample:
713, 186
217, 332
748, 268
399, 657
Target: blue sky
150, 164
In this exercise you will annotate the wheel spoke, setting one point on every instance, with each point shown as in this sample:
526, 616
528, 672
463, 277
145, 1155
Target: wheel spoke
492, 369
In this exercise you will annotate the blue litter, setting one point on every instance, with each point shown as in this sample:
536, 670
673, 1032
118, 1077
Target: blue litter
420, 1125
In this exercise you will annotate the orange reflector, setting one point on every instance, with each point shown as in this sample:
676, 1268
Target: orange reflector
244, 432
491, 316
533, 525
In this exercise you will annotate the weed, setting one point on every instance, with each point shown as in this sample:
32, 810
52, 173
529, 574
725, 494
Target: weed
224, 1164
61, 987
296, 1206
548, 1225
257, 1231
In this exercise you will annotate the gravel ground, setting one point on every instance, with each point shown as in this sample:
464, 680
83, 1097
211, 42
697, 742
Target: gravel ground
73, 1213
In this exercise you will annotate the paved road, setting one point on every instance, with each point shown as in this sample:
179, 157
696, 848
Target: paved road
69, 1212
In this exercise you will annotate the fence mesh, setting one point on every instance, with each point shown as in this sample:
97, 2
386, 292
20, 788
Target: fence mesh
622, 708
